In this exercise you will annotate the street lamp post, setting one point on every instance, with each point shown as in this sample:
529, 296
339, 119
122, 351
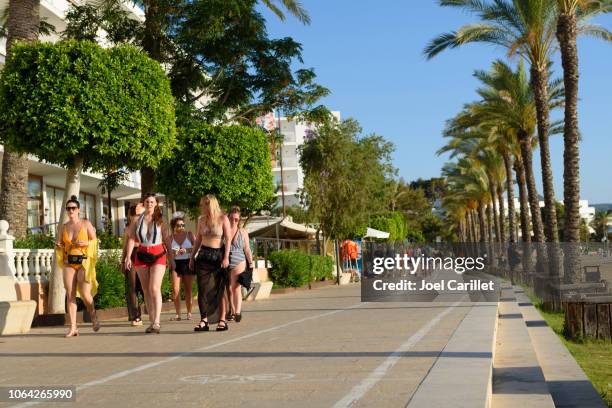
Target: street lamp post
280, 154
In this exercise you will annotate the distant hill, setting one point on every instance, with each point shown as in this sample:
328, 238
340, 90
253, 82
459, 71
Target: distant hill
602, 207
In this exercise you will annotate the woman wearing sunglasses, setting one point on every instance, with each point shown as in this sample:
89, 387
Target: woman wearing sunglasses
182, 245
151, 257
76, 253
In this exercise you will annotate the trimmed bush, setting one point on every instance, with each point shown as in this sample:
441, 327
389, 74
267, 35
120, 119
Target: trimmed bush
232, 162
111, 283
35, 241
293, 268
107, 240
109, 106
322, 267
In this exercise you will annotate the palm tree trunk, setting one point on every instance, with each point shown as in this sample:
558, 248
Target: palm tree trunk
502, 211
72, 187
539, 78
23, 25
536, 220
468, 225
473, 226
481, 222
489, 210
147, 182
493, 189
510, 194
524, 210
566, 34
525, 223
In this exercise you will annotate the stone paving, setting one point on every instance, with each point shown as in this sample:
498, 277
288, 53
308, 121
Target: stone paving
307, 349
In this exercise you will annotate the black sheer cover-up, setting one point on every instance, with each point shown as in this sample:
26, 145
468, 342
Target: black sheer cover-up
213, 282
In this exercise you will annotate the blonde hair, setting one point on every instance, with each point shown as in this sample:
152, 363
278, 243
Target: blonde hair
215, 211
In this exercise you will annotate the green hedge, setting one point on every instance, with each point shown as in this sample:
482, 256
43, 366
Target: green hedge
111, 283
35, 241
293, 268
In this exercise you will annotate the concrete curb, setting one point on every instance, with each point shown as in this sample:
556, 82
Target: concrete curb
567, 382
467, 383
518, 380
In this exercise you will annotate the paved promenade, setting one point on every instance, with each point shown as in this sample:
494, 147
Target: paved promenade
318, 348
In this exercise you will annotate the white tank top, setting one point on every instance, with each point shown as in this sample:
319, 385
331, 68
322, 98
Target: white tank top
145, 237
186, 244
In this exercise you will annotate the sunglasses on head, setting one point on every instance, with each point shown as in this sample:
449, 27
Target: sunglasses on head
70, 208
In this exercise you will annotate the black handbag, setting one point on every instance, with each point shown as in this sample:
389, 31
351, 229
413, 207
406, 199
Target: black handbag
76, 259
148, 258
246, 277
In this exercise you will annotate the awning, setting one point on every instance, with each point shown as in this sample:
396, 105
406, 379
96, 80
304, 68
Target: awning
374, 233
263, 226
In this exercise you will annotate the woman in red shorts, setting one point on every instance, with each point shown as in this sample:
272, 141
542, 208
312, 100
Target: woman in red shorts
151, 256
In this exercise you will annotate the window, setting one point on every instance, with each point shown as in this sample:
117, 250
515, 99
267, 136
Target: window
35, 202
115, 213
88, 207
55, 198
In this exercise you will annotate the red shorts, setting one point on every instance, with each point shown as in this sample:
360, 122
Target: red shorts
153, 249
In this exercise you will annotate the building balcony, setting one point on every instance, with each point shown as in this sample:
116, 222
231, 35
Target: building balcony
288, 163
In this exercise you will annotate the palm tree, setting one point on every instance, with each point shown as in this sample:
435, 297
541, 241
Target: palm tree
525, 28
467, 179
23, 25
570, 11
467, 143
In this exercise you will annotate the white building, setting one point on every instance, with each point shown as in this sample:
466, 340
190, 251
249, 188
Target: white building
587, 213
294, 134
46, 181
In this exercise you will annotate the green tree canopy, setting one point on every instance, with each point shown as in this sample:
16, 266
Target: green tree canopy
78, 100
231, 162
393, 222
347, 177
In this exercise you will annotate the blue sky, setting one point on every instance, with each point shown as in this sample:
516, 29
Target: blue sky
369, 53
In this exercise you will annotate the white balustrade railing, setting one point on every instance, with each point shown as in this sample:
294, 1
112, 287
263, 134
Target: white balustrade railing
33, 265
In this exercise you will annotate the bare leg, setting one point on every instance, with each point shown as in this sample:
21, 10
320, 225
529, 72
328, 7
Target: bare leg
222, 325
156, 276
188, 286
143, 275
85, 290
70, 284
176, 293
236, 292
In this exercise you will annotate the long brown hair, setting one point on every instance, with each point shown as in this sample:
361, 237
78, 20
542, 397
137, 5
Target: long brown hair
158, 217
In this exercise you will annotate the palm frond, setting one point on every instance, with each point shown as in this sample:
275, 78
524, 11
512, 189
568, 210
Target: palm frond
595, 31
440, 43
294, 7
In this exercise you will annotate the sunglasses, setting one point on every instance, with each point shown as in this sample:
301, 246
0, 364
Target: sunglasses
71, 208
180, 225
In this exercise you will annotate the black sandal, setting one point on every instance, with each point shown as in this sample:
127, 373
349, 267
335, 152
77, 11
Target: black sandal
200, 328
224, 327
238, 317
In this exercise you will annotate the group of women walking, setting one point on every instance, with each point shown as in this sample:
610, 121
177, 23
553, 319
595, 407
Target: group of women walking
216, 254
